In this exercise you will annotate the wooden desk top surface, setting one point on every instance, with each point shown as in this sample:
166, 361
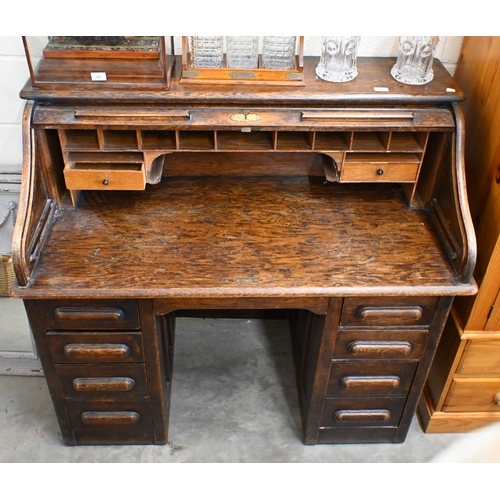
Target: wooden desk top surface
231, 236
373, 75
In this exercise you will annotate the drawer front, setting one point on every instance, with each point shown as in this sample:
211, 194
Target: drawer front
103, 176
93, 314
474, 395
481, 359
388, 311
384, 344
104, 422
95, 347
103, 381
362, 412
370, 379
386, 167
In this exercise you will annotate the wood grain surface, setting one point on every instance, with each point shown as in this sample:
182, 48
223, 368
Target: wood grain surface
373, 84
230, 236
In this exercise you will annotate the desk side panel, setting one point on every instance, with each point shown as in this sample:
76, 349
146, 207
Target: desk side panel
444, 193
36, 207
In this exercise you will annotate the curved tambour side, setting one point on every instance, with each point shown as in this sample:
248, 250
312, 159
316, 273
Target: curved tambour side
36, 209
469, 235
20, 263
448, 204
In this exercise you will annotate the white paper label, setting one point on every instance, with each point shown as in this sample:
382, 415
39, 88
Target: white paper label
450, 90
381, 89
98, 77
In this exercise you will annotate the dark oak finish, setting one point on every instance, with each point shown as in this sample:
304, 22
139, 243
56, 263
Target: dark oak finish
99, 346
103, 381
338, 205
366, 379
373, 72
267, 236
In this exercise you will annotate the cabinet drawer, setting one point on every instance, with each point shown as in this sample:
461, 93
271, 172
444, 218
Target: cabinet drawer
481, 358
388, 311
103, 381
95, 347
99, 176
370, 379
474, 395
380, 344
362, 412
110, 416
385, 167
80, 315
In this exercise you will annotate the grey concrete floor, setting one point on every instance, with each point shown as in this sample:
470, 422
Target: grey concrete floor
234, 400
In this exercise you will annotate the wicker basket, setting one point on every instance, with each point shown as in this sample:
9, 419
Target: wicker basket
6, 275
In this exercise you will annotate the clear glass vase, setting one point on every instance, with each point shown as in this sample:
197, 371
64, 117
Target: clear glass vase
338, 58
207, 51
242, 51
278, 52
415, 57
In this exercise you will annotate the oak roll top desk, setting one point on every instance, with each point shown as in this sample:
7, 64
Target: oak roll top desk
342, 204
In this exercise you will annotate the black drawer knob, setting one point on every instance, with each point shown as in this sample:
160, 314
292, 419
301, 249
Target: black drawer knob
105, 182
380, 172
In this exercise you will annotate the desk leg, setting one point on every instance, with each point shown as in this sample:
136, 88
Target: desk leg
313, 340
158, 333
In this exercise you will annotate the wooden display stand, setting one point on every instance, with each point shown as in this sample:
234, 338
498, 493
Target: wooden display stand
339, 205
463, 389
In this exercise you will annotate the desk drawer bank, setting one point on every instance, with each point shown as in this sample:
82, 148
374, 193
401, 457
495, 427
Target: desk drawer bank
340, 205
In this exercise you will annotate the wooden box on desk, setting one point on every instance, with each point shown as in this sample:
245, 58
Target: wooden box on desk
257, 76
463, 387
59, 63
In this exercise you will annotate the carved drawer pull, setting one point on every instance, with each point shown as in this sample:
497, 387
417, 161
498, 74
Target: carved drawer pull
374, 348
366, 415
90, 313
383, 382
75, 351
104, 384
110, 417
390, 313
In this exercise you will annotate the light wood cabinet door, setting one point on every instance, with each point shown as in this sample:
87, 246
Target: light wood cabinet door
481, 358
478, 74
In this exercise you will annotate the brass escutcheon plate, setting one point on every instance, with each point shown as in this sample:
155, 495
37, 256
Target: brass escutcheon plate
247, 279
242, 74
245, 117
295, 76
190, 74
